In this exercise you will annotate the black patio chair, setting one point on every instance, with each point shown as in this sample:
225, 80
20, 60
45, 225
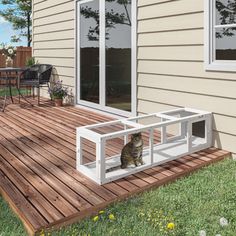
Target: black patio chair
37, 76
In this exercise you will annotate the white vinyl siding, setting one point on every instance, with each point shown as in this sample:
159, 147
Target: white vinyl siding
53, 37
171, 70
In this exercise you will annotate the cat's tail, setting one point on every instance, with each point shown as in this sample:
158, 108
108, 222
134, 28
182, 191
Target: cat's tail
113, 168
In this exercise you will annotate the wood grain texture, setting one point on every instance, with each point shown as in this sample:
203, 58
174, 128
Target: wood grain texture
37, 167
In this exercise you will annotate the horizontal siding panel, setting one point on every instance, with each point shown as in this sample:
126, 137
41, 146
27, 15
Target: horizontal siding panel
170, 8
225, 124
65, 16
185, 37
64, 71
49, 3
67, 34
55, 53
181, 22
55, 44
55, 27
191, 85
148, 107
225, 141
68, 6
66, 62
208, 103
149, 2
190, 53
66, 81
180, 68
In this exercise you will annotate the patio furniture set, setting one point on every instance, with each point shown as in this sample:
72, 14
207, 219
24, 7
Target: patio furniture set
36, 76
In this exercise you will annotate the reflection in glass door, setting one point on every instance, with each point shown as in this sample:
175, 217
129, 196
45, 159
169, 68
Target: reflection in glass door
118, 54
89, 51
105, 38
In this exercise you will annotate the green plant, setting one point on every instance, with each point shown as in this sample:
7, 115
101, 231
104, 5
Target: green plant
30, 61
58, 91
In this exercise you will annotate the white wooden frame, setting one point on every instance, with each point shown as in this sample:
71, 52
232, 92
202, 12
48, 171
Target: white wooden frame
210, 25
168, 149
102, 105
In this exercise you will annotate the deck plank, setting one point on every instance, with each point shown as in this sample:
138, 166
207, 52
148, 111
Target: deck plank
37, 166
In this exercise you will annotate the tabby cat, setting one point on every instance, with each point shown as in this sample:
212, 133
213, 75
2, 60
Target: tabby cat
132, 152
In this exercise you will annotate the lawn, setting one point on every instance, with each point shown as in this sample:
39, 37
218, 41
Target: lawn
192, 204
14, 93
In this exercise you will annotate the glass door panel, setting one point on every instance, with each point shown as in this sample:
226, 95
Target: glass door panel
118, 54
89, 51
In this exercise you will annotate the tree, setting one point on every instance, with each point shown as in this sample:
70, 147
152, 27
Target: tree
227, 14
112, 18
18, 13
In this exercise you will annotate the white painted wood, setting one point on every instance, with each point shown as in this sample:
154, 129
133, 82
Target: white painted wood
155, 154
211, 63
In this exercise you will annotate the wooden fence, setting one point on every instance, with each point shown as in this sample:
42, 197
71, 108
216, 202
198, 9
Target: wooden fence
22, 53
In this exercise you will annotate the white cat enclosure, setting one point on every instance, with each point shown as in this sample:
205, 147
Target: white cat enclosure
181, 131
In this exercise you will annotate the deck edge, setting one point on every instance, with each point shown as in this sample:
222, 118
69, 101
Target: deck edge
93, 210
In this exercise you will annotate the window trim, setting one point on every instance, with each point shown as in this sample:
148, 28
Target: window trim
210, 63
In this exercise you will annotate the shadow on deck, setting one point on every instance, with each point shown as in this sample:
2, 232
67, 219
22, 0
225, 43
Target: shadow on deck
37, 167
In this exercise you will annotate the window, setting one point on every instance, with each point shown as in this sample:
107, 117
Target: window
220, 16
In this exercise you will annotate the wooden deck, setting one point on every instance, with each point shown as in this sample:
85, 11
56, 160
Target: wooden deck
37, 167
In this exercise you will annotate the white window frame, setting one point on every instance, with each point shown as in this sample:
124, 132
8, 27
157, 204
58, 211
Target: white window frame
102, 106
210, 26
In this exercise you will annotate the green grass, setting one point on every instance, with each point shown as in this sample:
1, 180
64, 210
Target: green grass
194, 203
10, 225
14, 93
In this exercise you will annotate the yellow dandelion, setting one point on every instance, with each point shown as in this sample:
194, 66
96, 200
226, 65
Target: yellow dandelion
101, 212
95, 218
112, 217
171, 226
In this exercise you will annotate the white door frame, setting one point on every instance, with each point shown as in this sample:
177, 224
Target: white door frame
102, 55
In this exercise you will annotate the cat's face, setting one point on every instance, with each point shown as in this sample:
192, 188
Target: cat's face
136, 137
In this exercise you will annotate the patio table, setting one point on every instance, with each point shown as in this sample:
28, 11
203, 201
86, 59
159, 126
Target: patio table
6, 75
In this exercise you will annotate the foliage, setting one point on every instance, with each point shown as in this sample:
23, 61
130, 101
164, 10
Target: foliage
112, 18
57, 91
8, 51
227, 14
18, 13
31, 61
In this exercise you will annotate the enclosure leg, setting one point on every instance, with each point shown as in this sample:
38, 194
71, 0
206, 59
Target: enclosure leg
163, 132
183, 129
151, 145
100, 160
79, 155
208, 131
189, 136
126, 137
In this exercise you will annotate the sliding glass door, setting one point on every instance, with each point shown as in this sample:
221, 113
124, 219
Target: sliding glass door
106, 60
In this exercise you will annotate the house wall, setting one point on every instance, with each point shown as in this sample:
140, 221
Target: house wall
53, 37
171, 66
170, 59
